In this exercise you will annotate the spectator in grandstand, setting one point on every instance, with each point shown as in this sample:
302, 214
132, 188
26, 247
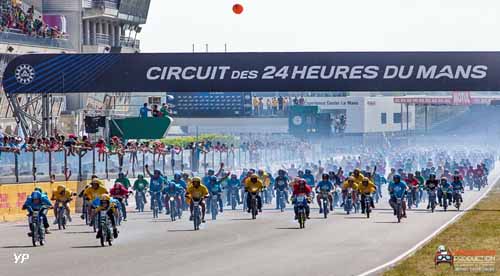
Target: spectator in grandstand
269, 107
155, 112
165, 110
143, 112
274, 103
255, 105
295, 101
302, 101
280, 103
286, 103
13, 17
261, 106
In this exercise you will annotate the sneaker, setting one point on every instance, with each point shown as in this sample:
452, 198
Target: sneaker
69, 218
115, 233
82, 217
295, 218
342, 205
47, 231
191, 218
124, 219
428, 207
55, 222
221, 210
260, 210
29, 234
363, 211
202, 220
248, 210
321, 210
98, 235
394, 212
307, 217
331, 208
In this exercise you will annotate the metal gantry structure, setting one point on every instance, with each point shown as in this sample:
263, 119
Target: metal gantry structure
35, 115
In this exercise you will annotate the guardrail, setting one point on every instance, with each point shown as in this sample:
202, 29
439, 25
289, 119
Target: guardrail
19, 38
26, 167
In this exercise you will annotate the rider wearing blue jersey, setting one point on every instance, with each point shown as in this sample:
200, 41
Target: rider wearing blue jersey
397, 189
36, 201
457, 186
309, 178
281, 183
234, 185
175, 190
324, 186
215, 188
156, 185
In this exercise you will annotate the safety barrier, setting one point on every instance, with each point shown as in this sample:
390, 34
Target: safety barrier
13, 196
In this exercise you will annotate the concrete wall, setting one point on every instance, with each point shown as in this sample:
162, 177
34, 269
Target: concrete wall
375, 106
233, 125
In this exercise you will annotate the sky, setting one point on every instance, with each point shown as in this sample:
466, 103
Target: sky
322, 25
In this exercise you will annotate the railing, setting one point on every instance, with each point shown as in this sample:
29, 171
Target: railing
130, 42
19, 38
102, 39
29, 166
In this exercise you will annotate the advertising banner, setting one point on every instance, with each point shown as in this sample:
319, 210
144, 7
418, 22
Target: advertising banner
244, 72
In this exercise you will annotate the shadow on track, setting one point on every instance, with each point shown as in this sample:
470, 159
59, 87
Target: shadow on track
18, 246
242, 219
87, 246
349, 217
82, 232
181, 230
287, 228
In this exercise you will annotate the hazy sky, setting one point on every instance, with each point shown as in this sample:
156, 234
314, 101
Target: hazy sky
322, 25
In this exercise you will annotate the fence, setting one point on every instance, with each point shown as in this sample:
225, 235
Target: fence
27, 167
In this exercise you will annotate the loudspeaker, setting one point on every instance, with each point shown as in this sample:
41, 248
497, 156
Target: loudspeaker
92, 124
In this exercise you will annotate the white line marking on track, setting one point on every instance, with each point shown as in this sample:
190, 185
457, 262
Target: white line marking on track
435, 233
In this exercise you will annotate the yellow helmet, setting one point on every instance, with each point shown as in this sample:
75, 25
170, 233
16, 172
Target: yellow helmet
105, 197
61, 188
366, 179
351, 178
196, 179
254, 176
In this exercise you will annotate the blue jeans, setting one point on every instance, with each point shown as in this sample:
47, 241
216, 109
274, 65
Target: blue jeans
219, 201
278, 197
157, 197
237, 194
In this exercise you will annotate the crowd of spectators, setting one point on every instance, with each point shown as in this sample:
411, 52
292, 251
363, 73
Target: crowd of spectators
274, 106
15, 19
164, 111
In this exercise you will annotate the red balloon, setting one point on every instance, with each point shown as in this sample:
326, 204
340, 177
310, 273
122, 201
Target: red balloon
237, 8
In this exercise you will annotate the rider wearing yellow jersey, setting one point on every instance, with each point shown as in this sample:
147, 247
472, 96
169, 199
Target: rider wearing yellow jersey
254, 185
62, 196
95, 191
366, 189
196, 191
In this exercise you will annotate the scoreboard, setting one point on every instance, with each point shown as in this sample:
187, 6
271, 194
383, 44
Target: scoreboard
211, 104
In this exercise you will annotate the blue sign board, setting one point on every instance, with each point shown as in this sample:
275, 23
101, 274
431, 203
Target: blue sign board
240, 72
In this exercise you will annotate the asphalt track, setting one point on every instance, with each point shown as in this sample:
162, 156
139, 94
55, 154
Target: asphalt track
232, 245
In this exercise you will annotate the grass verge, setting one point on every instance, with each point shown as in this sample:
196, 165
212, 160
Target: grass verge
479, 228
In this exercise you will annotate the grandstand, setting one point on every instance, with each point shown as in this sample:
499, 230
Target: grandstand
65, 26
